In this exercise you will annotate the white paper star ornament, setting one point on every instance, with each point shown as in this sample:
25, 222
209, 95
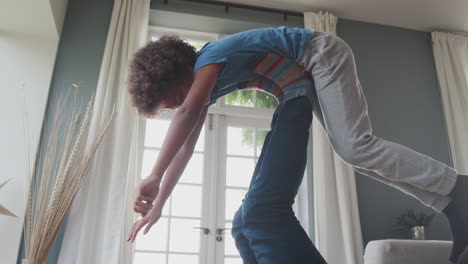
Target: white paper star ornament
3, 210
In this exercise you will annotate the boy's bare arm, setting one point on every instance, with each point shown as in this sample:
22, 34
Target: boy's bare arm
178, 164
174, 171
186, 117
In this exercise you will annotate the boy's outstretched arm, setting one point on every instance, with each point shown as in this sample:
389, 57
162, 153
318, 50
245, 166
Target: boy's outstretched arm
172, 176
178, 164
186, 117
182, 125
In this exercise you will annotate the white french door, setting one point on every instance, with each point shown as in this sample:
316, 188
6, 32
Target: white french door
239, 147
172, 239
196, 223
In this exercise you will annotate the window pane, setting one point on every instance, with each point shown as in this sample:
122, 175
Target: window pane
229, 244
240, 97
149, 258
265, 100
155, 239
240, 141
165, 210
183, 237
182, 258
193, 173
156, 130
261, 134
149, 159
233, 201
295, 206
233, 261
186, 200
196, 43
201, 140
239, 171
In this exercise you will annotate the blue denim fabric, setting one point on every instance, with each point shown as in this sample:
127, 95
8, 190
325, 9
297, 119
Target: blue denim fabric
265, 229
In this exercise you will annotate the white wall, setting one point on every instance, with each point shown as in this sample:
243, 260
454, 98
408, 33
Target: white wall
58, 11
28, 46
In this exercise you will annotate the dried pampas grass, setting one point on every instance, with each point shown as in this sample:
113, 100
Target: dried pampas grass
60, 168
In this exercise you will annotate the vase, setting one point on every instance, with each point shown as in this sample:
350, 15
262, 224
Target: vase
26, 261
417, 232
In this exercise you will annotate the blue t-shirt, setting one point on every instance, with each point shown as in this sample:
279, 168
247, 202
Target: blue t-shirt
244, 50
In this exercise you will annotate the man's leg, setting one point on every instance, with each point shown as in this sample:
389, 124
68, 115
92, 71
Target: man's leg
341, 108
464, 257
273, 231
457, 214
242, 243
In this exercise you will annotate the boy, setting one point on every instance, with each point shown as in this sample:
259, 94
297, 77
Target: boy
309, 72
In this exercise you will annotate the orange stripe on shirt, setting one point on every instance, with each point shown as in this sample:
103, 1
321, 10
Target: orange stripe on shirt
273, 66
263, 62
303, 77
250, 84
289, 75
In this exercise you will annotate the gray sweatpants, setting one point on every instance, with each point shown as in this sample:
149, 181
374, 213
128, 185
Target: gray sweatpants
341, 108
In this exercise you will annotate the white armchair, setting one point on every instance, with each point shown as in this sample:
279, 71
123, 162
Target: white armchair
395, 251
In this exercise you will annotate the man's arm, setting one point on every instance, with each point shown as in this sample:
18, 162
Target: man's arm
178, 164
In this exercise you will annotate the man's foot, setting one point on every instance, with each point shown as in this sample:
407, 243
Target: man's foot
457, 214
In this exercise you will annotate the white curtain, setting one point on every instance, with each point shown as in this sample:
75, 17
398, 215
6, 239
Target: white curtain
102, 214
337, 225
451, 60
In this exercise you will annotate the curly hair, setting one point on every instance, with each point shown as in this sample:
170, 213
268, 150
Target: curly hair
155, 70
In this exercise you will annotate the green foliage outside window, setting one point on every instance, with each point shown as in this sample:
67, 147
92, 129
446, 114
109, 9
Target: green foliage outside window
246, 98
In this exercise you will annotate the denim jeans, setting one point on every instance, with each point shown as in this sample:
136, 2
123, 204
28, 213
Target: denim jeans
265, 228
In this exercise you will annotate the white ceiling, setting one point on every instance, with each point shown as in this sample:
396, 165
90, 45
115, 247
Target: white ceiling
27, 18
424, 15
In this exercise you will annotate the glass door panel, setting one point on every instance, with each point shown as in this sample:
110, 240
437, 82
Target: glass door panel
242, 147
173, 239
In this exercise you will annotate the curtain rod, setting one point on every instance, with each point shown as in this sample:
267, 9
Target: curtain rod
285, 13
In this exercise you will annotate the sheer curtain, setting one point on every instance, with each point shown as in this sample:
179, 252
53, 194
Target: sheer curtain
451, 60
337, 226
102, 214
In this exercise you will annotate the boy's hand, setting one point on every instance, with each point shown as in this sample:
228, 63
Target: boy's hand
146, 191
145, 194
149, 220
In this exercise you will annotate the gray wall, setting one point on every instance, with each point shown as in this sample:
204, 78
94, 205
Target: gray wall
395, 66
397, 72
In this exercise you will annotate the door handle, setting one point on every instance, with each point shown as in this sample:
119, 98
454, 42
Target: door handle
219, 232
206, 231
